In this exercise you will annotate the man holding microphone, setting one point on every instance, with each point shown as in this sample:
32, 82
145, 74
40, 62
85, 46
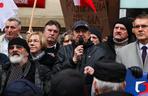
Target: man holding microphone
81, 54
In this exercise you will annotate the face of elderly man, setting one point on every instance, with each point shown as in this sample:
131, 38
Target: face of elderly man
120, 32
12, 29
17, 54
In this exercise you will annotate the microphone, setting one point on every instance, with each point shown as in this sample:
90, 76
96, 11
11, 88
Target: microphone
81, 41
136, 71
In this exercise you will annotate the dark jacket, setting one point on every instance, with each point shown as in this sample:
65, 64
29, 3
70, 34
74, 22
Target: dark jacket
53, 50
37, 74
91, 54
109, 45
47, 60
4, 59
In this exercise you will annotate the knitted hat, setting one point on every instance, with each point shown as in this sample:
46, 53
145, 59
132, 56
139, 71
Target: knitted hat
21, 42
96, 32
80, 23
67, 83
22, 87
110, 71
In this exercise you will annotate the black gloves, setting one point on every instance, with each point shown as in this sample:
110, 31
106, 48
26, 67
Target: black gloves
136, 71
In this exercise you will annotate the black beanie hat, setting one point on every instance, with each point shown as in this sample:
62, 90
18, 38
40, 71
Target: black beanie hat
21, 42
97, 32
68, 82
127, 22
110, 71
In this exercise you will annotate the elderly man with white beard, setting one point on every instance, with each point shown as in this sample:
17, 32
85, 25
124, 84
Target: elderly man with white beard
22, 66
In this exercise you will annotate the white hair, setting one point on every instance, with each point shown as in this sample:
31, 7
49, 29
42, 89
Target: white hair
16, 59
104, 86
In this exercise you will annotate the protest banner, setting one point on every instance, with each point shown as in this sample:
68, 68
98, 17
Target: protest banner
73, 13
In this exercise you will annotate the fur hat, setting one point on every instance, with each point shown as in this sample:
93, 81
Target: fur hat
110, 71
21, 42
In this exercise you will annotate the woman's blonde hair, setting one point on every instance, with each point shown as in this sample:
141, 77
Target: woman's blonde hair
43, 41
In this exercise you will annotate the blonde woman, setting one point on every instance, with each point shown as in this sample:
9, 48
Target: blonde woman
38, 44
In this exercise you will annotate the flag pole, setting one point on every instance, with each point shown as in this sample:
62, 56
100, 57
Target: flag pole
31, 18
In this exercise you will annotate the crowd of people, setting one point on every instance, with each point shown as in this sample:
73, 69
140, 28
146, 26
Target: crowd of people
80, 64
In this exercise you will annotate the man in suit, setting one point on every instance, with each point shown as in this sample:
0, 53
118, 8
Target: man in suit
132, 54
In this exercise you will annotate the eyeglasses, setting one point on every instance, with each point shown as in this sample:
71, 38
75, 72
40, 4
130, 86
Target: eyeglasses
16, 46
140, 26
35, 41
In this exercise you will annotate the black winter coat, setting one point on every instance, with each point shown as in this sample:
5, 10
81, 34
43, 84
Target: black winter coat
37, 72
109, 46
91, 55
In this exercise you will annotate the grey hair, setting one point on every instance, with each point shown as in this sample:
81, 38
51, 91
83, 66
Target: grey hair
15, 19
106, 86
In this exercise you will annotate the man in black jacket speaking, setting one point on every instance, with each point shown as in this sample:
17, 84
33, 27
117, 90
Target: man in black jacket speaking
81, 54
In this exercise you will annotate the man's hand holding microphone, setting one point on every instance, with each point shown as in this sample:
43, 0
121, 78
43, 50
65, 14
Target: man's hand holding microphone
79, 50
78, 53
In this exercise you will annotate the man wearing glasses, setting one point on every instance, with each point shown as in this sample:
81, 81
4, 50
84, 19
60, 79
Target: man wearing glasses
81, 54
135, 54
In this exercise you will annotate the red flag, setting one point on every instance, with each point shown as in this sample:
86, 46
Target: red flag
88, 3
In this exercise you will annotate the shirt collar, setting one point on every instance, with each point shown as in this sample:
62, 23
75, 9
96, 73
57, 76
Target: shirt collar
141, 45
54, 46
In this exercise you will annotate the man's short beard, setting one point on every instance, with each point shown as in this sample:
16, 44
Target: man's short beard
16, 58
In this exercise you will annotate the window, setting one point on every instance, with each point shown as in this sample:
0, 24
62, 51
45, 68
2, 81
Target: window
132, 8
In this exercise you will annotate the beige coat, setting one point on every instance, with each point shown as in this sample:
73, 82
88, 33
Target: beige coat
130, 55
